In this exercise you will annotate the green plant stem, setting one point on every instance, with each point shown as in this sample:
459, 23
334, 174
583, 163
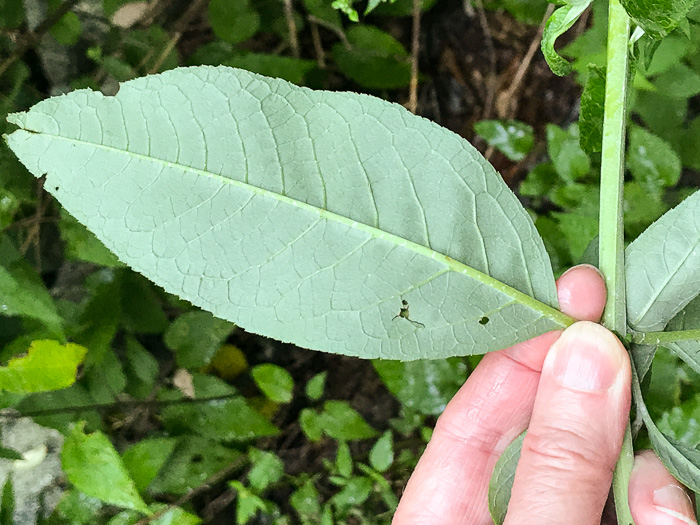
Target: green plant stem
611, 231
659, 338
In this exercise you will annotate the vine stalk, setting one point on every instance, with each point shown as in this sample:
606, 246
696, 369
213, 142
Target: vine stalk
611, 230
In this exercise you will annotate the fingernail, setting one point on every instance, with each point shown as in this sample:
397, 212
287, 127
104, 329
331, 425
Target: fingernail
674, 501
587, 358
583, 265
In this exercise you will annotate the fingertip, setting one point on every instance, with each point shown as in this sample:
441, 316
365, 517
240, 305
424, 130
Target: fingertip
581, 292
655, 497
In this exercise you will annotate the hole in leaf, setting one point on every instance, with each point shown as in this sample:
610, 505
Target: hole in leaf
484, 320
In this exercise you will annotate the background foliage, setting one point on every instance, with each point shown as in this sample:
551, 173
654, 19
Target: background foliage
178, 417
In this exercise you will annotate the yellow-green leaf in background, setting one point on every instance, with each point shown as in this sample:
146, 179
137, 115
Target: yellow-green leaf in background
48, 365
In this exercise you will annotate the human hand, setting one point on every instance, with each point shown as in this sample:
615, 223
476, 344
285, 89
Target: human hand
571, 390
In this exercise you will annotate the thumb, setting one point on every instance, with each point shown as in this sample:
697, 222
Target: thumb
575, 434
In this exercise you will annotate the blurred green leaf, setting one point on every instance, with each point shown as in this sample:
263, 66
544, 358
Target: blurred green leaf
591, 119
664, 389
233, 20
68, 28
81, 243
652, 161
144, 459
267, 469
142, 311
23, 292
668, 52
48, 365
311, 424
641, 208
77, 508
171, 516
679, 81
274, 381
658, 17
316, 386
195, 337
564, 148
9, 453
11, 14
526, 11
578, 230
399, 7
381, 456
291, 69
7, 503
323, 10
343, 459
222, 420
560, 22
305, 500
141, 369
375, 59
513, 138
62, 408
354, 493
423, 386
194, 460
540, 181
682, 422
689, 145
248, 504
105, 379
345, 6
342, 422
9, 205
94, 467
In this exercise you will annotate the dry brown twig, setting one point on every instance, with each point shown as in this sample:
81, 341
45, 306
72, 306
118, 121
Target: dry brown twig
415, 50
507, 101
291, 27
179, 28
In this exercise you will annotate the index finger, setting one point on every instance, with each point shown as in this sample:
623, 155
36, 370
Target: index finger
450, 483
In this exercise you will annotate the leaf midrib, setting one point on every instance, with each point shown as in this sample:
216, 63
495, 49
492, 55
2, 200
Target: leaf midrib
454, 265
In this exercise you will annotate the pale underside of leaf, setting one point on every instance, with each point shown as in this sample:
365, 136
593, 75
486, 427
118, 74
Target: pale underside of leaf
501, 483
681, 461
663, 267
304, 216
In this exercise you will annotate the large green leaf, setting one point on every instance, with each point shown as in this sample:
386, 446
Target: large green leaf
306, 216
662, 267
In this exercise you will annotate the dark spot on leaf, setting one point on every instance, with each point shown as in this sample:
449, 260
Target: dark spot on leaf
56, 188
197, 458
484, 320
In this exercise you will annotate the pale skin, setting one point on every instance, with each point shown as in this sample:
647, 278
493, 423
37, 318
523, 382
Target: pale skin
571, 390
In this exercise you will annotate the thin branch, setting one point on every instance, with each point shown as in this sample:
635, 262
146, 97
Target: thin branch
291, 27
338, 32
415, 52
107, 406
318, 46
179, 27
507, 102
215, 478
492, 80
33, 37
